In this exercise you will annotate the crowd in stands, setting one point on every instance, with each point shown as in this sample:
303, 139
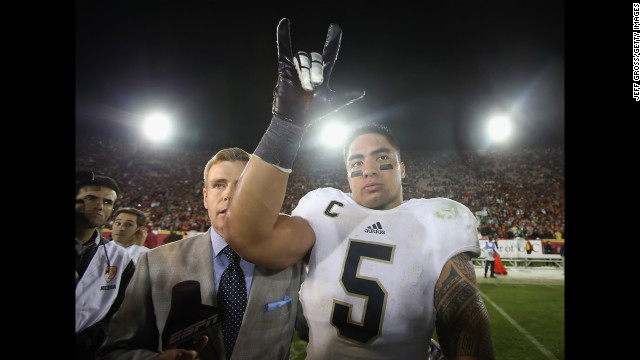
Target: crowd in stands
515, 192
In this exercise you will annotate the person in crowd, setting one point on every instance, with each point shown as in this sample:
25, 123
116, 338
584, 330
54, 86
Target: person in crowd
558, 235
383, 273
499, 266
259, 324
548, 249
129, 230
103, 269
528, 246
490, 251
152, 237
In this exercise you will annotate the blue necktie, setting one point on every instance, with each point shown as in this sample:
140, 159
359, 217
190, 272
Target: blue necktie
232, 297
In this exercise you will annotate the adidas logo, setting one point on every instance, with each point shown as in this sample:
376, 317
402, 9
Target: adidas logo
374, 229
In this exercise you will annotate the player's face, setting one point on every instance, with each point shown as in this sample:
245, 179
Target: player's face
374, 172
125, 228
221, 180
96, 203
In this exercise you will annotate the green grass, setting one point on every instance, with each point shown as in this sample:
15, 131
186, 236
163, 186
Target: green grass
298, 349
538, 310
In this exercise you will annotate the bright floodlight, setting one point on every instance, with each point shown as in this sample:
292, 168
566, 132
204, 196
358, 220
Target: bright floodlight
157, 127
499, 128
333, 134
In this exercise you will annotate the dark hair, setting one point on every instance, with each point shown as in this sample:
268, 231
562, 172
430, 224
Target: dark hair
141, 217
371, 128
89, 178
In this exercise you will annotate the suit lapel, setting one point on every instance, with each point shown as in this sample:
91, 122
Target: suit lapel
259, 292
201, 264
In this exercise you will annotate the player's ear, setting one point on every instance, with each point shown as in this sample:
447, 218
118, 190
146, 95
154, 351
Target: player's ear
402, 172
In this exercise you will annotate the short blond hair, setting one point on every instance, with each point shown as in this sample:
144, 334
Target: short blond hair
229, 154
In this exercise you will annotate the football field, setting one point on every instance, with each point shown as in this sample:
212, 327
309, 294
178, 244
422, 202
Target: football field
527, 317
526, 308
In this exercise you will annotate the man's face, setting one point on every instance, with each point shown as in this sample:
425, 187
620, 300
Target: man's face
374, 172
125, 228
221, 180
96, 203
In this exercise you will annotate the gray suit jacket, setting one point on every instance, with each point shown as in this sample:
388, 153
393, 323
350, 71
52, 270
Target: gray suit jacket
135, 330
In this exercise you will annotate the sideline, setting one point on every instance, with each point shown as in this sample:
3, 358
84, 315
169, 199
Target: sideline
535, 342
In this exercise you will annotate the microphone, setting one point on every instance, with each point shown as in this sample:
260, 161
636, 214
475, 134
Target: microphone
188, 318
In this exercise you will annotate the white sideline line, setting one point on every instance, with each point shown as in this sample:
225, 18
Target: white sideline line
520, 328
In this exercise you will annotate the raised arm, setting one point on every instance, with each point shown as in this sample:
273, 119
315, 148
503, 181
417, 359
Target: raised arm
254, 227
462, 324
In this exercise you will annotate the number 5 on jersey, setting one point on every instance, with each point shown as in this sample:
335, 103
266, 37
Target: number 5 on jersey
368, 288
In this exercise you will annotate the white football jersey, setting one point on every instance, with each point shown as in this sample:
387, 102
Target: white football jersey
136, 251
98, 288
372, 273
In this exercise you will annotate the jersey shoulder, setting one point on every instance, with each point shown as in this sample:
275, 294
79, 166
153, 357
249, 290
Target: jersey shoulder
444, 208
321, 197
326, 192
451, 219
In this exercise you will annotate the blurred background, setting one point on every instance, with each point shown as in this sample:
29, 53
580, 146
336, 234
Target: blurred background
473, 90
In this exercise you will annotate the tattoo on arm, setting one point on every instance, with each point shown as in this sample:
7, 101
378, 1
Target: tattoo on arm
462, 323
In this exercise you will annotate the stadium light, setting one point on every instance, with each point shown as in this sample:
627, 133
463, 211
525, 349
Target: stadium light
499, 128
157, 127
333, 134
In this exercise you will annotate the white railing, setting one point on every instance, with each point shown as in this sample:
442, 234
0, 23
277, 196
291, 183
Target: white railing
513, 252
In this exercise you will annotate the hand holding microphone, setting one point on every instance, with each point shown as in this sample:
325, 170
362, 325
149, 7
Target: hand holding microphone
183, 354
188, 322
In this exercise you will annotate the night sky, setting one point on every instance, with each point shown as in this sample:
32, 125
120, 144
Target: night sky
433, 72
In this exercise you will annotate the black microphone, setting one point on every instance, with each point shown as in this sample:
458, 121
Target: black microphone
188, 318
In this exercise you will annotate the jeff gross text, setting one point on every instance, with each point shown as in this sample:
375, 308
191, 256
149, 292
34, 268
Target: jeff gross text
636, 51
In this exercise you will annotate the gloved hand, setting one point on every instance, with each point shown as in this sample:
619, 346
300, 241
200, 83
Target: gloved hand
301, 97
302, 94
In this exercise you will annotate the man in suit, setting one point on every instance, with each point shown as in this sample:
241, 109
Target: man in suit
265, 332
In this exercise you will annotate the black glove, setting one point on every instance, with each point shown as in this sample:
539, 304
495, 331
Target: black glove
301, 96
291, 102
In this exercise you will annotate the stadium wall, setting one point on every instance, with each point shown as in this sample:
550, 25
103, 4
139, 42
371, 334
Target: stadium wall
516, 247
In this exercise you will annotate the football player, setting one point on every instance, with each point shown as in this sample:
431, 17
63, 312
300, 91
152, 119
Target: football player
383, 273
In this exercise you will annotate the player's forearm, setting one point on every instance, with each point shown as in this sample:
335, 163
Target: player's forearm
463, 325
255, 206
